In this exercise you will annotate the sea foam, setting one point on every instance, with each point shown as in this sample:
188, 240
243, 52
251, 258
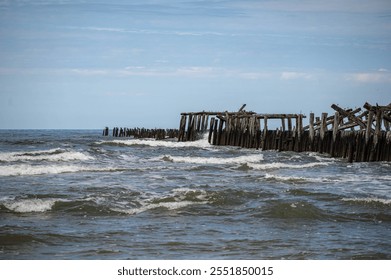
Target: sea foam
44, 155
369, 200
27, 169
179, 198
30, 205
214, 160
280, 165
202, 143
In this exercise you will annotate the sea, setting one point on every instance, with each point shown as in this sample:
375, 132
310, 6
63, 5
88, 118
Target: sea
75, 194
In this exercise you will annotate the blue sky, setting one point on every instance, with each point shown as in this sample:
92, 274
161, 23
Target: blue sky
90, 64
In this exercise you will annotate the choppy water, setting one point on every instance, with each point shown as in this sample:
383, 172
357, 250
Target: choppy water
76, 195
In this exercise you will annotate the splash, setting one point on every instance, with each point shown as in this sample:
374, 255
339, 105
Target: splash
30, 205
214, 160
44, 155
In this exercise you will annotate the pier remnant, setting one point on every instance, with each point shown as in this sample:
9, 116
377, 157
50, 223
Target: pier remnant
353, 134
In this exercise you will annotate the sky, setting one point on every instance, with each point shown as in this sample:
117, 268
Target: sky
87, 64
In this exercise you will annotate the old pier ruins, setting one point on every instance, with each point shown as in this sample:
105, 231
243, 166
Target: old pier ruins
355, 134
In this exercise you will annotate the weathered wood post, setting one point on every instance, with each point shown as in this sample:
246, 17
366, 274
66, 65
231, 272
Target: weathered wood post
211, 129
264, 133
312, 130
106, 131
214, 138
182, 128
375, 149
189, 128
335, 131
283, 124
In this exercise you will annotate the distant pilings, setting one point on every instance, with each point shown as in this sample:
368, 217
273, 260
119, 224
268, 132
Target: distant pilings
141, 132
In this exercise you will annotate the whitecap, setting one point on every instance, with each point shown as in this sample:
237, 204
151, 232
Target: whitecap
202, 143
26, 169
168, 205
30, 205
179, 196
280, 165
369, 200
288, 178
214, 160
44, 155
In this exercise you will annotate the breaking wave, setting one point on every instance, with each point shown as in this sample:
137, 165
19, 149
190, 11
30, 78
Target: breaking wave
30, 205
26, 169
202, 143
369, 200
279, 165
214, 160
44, 155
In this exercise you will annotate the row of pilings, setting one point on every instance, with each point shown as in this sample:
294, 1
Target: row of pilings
356, 135
137, 132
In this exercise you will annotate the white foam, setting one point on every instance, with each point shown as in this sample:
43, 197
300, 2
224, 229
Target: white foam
47, 155
319, 157
369, 200
287, 178
202, 143
215, 160
30, 205
279, 165
26, 169
178, 195
168, 205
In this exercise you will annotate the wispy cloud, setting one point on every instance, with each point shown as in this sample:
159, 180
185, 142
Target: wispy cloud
295, 76
350, 6
90, 72
152, 31
381, 76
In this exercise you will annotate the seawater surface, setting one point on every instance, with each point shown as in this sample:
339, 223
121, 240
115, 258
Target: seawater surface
73, 194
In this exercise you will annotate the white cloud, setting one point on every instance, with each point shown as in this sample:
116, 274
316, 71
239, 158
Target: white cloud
382, 76
348, 6
295, 76
90, 72
256, 75
151, 31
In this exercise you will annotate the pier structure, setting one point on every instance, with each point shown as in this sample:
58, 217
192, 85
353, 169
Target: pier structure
138, 132
356, 134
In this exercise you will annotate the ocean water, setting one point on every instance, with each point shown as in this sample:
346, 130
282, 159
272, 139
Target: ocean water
73, 194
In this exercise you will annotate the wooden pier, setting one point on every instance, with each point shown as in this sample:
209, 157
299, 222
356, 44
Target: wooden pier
353, 134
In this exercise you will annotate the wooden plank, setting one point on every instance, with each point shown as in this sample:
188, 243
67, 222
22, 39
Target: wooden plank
323, 125
311, 126
350, 116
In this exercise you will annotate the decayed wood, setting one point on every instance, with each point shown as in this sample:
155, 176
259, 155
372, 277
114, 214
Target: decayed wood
368, 143
350, 116
311, 126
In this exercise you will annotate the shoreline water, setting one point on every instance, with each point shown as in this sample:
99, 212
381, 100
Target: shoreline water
78, 195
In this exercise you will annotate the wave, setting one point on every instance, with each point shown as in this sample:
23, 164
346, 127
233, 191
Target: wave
202, 143
294, 210
44, 155
213, 160
30, 205
294, 179
168, 143
369, 200
179, 198
280, 165
26, 169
